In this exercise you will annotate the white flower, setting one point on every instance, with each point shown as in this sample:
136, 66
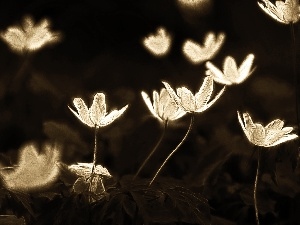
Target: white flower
164, 107
35, 169
193, 3
29, 37
286, 12
96, 115
272, 134
158, 44
231, 73
198, 102
85, 169
197, 53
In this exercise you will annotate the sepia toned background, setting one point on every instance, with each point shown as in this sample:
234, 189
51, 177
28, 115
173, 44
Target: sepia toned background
102, 50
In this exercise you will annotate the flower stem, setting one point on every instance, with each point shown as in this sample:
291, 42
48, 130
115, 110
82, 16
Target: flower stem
177, 147
296, 79
153, 150
255, 188
95, 150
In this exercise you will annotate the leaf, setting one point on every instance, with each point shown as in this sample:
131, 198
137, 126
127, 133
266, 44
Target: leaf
11, 220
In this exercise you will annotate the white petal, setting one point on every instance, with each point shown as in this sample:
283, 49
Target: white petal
173, 94
204, 93
230, 69
244, 70
243, 126
272, 11
83, 112
212, 101
112, 116
285, 138
217, 74
98, 109
149, 104
275, 124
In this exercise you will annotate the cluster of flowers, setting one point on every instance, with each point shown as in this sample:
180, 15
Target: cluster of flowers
167, 105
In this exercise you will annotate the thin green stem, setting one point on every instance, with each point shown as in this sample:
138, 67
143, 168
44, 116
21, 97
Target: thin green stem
177, 147
255, 187
153, 150
296, 79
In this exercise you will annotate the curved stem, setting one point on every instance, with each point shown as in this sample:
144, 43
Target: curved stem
296, 79
153, 150
255, 188
95, 150
177, 147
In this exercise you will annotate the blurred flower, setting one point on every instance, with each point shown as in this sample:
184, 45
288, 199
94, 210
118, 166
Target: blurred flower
189, 102
164, 107
96, 115
231, 73
193, 3
35, 170
85, 169
272, 134
158, 44
197, 53
30, 37
283, 11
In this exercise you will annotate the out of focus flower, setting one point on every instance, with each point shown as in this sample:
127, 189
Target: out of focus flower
271, 135
158, 44
30, 37
231, 73
197, 53
193, 3
163, 107
35, 169
96, 115
286, 12
199, 102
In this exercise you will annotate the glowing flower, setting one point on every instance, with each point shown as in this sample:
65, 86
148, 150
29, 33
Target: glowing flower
158, 44
189, 102
283, 11
29, 37
164, 107
96, 115
35, 170
197, 53
231, 73
272, 134
193, 3
85, 169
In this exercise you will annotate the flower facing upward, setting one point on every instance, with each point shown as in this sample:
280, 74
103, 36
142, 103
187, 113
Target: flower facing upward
189, 102
96, 115
158, 44
164, 107
283, 12
272, 134
29, 37
197, 53
231, 73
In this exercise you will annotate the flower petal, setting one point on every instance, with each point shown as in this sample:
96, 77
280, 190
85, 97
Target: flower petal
230, 69
83, 112
98, 109
205, 107
247, 133
244, 69
285, 138
173, 94
187, 99
275, 125
216, 74
149, 104
272, 11
113, 115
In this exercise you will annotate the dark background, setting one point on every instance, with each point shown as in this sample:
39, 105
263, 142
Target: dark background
101, 50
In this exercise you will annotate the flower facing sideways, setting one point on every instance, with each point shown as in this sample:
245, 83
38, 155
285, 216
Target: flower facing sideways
199, 102
29, 37
271, 135
231, 73
34, 170
286, 12
96, 115
197, 53
164, 107
158, 44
